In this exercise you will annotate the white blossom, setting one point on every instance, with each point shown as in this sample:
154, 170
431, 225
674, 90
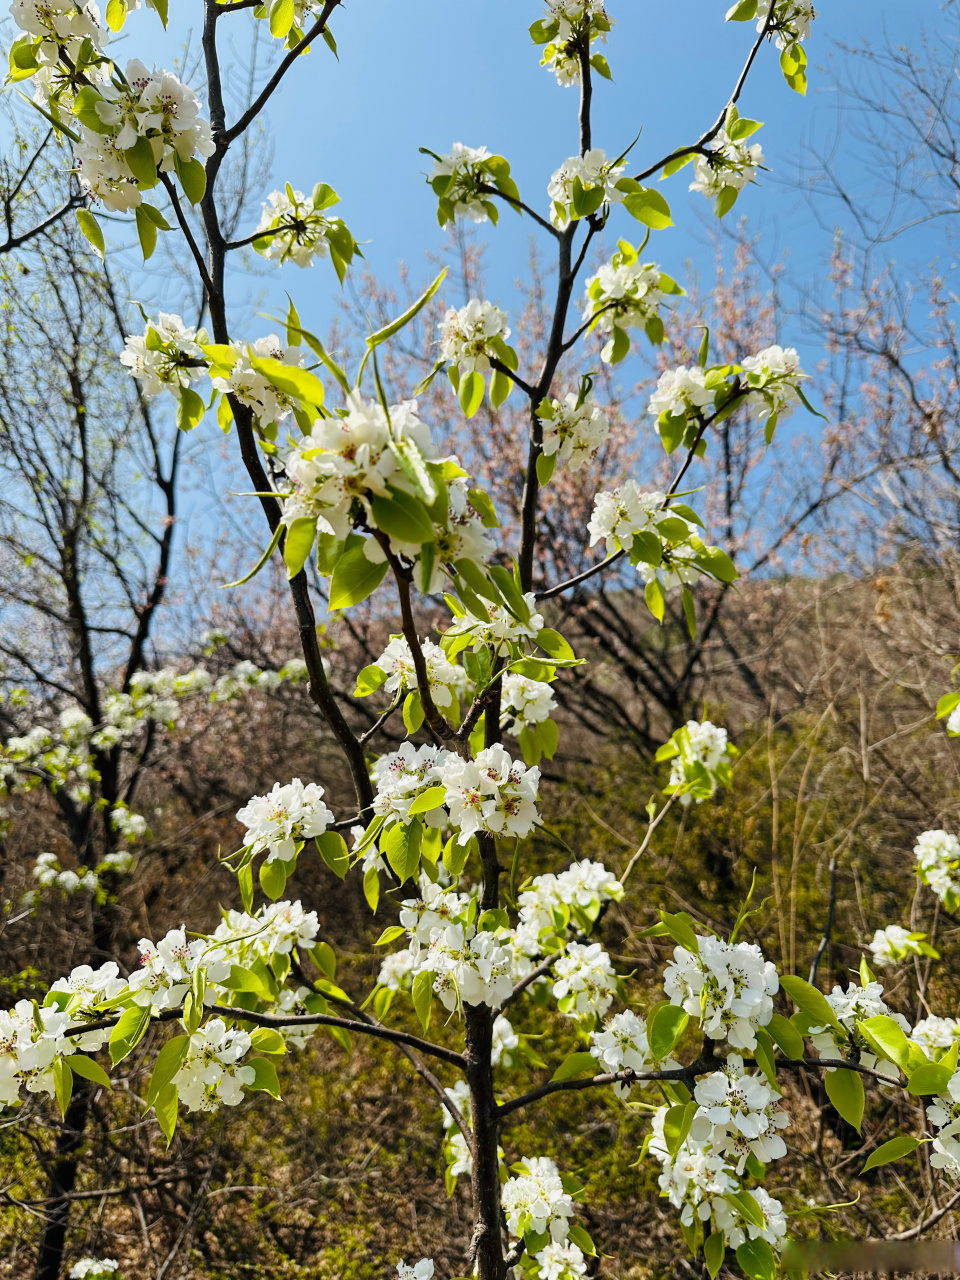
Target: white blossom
728, 988
525, 701
944, 1114
592, 170
251, 387
573, 431
278, 822
586, 981
28, 1050
622, 1045
938, 865
561, 1262
446, 679
775, 376
475, 970
739, 1114
402, 775
299, 230
422, 1270
851, 1006
894, 944
679, 391
727, 164
94, 1269
493, 794
574, 19
933, 1034
466, 335
210, 1076
500, 628
626, 294
791, 19
704, 744
505, 1042
620, 514
158, 357
463, 165
534, 1200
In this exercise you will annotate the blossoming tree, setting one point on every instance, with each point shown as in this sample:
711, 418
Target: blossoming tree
362, 491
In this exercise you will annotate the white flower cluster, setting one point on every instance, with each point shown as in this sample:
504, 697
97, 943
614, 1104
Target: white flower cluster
791, 19
679, 392
705, 745
738, 1114
934, 1034
525, 701
573, 429
937, 855
586, 982
403, 775
620, 514
466, 336
60, 25
294, 228
699, 1182
493, 794
422, 1270
626, 294
534, 1200
953, 723
277, 823
473, 969
728, 988
132, 826
254, 389
850, 1007
275, 929
464, 169
447, 679
622, 1045
774, 374
552, 900
727, 164
29, 1046
561, 1261
499, 629
944, 1114
150, 105
49, 874
211, 1075
894, 944
351, 457
167, 356
570, 21
95, 1269
578, 177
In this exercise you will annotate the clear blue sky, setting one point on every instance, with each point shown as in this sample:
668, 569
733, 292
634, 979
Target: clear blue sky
431, 72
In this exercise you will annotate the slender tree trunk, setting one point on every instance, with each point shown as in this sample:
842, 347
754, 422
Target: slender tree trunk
63, 1178
487, 1245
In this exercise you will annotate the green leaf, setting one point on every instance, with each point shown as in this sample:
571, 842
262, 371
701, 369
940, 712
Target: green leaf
895, 1149
672, 427
395, 326
165, 1108
743, 11
886, 1039
785, 1034
323, 957
412, 712
147, 232
192, 177
128, 1032
298, 544
714, 1249
809, 1001
764, 1055
390, 934
471, 392
371, 888
116, 14
575, 1064
427, 800
400, 845
62, 1084
581, 1239
680, 929
617, 347
656, 601
300, 383
403, 517
190, 409
274, 541
87, 1069
676, 1124
553, 643
947, 703
932, 1077
265, 1079
245, 881
500, 388
354, 578
273, 878
845, 1090
369, 680
690, 611
333, 850
423, 996
666, 1027
281, 18
756, 1260
142, 164
91, 229
600, 65
266, 1040
793, 63
168, 1063
546, 465
649, 207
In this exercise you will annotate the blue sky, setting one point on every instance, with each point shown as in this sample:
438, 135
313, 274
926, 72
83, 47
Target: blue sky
429, 72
